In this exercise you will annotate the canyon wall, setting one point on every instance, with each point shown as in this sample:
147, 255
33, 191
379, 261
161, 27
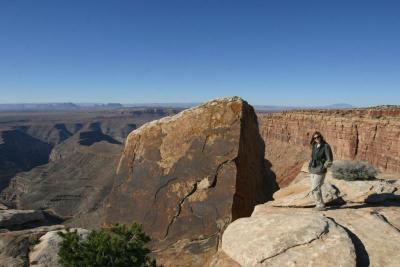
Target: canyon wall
371, 134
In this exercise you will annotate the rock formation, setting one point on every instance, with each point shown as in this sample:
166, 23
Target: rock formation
371, 134
68, 159
186, 177
335, 191
352, 232
45, 252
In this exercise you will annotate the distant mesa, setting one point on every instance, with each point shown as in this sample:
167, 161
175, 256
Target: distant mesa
338, 106
94, 134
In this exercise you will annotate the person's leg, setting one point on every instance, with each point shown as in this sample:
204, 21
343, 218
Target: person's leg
316, 183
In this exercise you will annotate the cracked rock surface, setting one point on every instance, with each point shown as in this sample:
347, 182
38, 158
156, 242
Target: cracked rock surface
285, 237
287, 232
187, 176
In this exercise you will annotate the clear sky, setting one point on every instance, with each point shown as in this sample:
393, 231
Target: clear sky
268, 52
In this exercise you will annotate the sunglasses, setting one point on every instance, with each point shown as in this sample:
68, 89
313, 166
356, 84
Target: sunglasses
316, 137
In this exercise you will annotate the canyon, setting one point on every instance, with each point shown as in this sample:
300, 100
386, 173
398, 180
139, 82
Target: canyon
370, 134
187, 175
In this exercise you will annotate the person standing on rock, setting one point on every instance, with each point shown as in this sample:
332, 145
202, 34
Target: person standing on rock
321, 159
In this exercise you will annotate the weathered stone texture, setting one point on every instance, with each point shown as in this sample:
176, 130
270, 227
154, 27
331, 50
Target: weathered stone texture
187, 176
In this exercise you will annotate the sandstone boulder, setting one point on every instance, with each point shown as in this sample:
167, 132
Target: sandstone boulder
288, 237
45, 253
187, 176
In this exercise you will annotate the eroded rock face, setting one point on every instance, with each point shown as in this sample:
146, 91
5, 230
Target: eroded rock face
187, 176
370, 134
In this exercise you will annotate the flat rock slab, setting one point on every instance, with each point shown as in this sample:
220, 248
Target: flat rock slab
298, 193
286, 237
374, 233
367, 191
335, 191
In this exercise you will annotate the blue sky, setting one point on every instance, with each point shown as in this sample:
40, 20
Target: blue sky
268, 52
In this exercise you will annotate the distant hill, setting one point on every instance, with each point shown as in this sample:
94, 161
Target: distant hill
56, 106
338, 106
99, 106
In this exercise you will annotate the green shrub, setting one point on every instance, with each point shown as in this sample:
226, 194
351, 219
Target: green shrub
352, 170
118, 246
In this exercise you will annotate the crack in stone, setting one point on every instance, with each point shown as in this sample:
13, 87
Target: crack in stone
204, 144
215, 176
324, 232
180, 208
163, 186
180, 204
384, 219
357, 142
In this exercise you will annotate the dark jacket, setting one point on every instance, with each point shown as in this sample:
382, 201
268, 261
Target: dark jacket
321, 158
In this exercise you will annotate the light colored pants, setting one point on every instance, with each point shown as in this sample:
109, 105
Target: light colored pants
316, 182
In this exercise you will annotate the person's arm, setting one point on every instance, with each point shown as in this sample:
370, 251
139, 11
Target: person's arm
328, 156
312, 151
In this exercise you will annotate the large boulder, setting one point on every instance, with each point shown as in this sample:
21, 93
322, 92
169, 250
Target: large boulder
274, 236
186, 177
288, 237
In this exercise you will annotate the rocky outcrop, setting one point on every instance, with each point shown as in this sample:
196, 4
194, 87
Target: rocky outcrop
45, 252
29, 238
288, 238
77, 176
18, 219
335, 191
284, 232
187, 176
15, 245
370, 134
73, 187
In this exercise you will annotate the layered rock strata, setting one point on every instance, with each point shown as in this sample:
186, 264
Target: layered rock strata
371, 134
186, 177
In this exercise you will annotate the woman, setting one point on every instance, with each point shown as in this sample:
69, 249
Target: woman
321, 159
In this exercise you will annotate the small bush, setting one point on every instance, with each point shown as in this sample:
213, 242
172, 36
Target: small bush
352, 170
118, 246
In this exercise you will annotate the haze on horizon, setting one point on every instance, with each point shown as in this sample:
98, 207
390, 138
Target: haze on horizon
289, 53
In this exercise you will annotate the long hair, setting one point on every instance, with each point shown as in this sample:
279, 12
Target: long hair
312, 141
